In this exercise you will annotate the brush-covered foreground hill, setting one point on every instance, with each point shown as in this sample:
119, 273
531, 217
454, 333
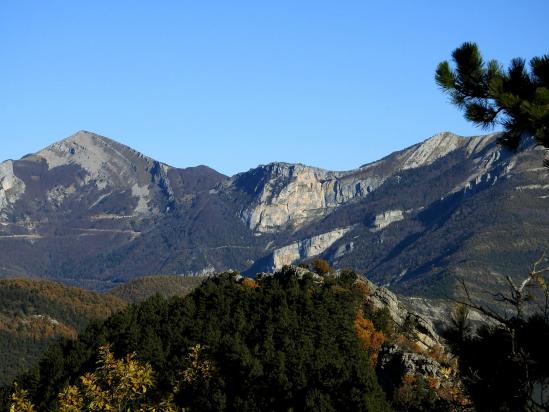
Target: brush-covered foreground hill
34, 313
292, 340
92, 212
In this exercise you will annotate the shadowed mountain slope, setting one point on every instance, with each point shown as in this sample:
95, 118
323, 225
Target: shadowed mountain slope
92, 212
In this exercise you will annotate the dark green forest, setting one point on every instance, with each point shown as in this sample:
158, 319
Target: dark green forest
293, 341
288, 344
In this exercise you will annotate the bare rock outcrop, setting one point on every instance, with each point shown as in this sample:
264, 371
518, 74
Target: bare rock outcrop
306, 248
384, 219
11, 187
288, 195
423, 329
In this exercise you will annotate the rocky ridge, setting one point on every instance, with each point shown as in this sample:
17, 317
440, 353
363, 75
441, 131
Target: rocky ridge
92, 212
292, 195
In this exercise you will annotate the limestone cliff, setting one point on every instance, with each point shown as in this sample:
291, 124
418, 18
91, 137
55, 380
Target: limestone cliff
306, 248
289, 196
11, 187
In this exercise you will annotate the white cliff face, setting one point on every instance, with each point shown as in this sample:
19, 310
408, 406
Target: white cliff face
431, 150
300, 197
297, 194
11, 187
290, 196
384, 219
306, 248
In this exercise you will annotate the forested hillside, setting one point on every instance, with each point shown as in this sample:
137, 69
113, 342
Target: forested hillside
34, 313
294, 340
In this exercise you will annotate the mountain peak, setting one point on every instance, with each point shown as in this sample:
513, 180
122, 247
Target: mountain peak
84, 139
432, 149
82, 135
86, 146
102, 158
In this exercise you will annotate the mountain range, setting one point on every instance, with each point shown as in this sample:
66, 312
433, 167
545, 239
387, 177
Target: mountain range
91, 212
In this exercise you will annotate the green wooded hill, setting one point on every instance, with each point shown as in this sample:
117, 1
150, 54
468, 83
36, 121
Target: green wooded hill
34, 313
283, 342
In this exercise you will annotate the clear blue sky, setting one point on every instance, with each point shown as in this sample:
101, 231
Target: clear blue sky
235, 84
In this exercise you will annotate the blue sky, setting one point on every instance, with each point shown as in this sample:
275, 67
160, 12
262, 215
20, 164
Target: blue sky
234, 84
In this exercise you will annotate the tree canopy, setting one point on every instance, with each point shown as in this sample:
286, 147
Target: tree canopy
284, 342
516, 97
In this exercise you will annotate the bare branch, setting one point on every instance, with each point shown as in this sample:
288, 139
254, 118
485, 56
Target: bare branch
469, 303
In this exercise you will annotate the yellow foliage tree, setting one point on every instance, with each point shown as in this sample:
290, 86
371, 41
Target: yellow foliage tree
371, 339
199, 369
249, 283
116, 385
20, 402
121, 385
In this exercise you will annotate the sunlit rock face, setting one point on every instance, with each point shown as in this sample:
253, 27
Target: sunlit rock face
431, 150
384, 219
306, 248
11, 187
289, 196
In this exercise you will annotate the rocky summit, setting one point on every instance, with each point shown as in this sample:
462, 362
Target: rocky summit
92, 212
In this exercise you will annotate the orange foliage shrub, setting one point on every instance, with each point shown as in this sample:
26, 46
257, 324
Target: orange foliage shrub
437, 353
321, 266
405, 343
363, 288
432, 382
249, 283
370, 338
406, 394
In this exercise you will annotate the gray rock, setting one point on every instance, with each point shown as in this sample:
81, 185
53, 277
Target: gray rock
306, 248
394, 362
424, 331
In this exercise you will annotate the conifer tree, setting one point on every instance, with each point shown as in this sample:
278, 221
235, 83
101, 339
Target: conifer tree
516, 97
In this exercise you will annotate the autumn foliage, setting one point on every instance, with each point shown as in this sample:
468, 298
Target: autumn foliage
249, 283
321, 266
200, 368
116, 385
371, 339
35, 313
